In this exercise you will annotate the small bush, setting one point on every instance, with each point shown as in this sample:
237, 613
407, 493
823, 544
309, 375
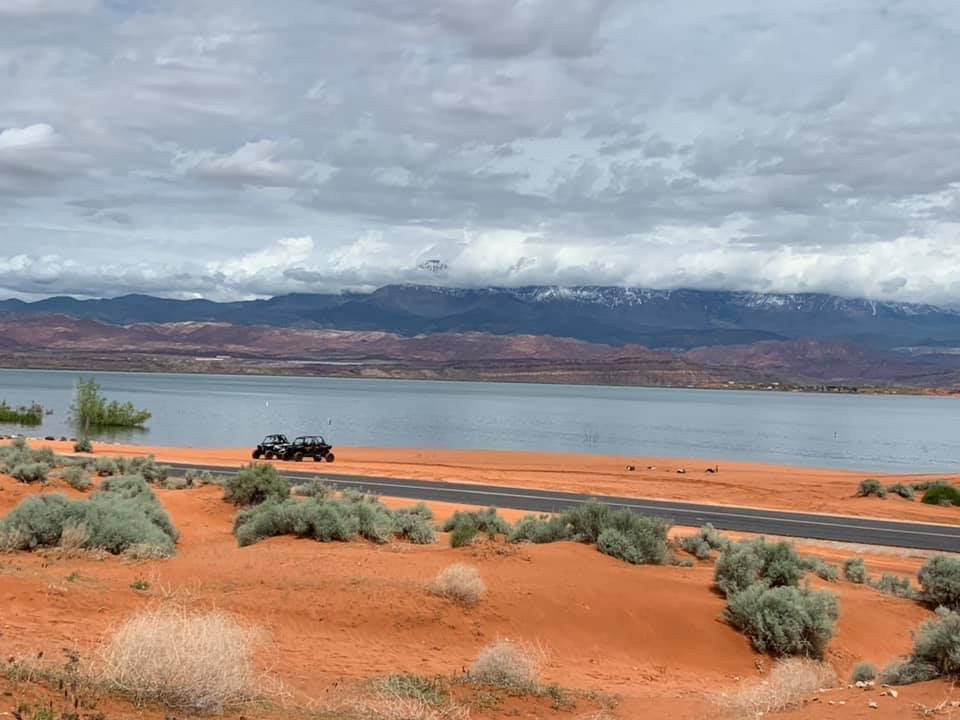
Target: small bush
788, 685
486, 521
863, 672
587, 521
316, 488
938, 643
255, 484
871, 488
540, 530
83, 445
105, 467
195, 662
77, 478
414, 524
927, 484
635, 538
508, 665
904, 491
819, 567
463, 534
855, 570
30, 473
942, 495
895, 585
907, 672
784, 620
706, 540
940, 581
459, 582
757, 561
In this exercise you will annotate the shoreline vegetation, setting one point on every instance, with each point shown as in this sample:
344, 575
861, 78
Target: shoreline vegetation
550, 373
91, 410
31, 414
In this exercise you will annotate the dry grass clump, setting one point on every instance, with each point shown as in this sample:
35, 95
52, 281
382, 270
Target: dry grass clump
508, 664
789, 684
459, 582
194, 661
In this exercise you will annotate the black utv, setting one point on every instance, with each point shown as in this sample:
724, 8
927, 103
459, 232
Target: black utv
307, 446
272, 446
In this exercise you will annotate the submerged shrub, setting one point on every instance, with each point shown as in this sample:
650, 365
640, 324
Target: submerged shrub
706, 540
940, 581
757, 561
784, 620
197, 662
30, 473
855, 570
507, 664
942, 495
77, 478
255, 484
539, 529
871, 487
459, 582
863, 672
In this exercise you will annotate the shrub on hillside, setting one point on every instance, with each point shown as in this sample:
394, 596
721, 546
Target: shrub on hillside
871, 487
77, 478
255, 484
197, 662
635, 538
895, 585
414, 524
789, 684
706, 540
940, 581
936, 652
539, 529
927, 484
587, 521
507, 664
105, 467
904, 491
19, 453
459, 582
486, 521
942, 495
784, 620
114, 519
863, 672
463, 534
819, 567
757, 561
30, 473
907, 672
855, 570
83, 445
316, 488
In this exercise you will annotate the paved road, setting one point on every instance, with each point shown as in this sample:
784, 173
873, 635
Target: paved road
772, 522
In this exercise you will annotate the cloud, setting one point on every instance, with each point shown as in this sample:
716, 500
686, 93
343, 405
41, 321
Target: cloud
253, 163
46, 7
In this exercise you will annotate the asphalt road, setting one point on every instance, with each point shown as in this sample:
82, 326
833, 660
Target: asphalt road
771, 522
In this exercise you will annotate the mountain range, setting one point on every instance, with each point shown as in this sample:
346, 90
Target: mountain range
580, 334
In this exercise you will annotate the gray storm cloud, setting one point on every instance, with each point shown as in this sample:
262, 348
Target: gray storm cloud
227, 150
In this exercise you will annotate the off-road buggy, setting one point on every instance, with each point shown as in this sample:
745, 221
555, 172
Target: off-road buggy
272, 446
307, 446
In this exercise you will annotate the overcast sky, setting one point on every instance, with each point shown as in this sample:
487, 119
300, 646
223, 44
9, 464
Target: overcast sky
235, 148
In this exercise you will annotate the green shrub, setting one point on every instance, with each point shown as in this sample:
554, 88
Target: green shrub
784, 620
940, 581
463, 533
414, 524
38, 521
105, 466
587, 521
90, 409
19, 453
315, 488
635, 538
83, 445
942, 495
895, 585
77, 478
855, 570
863, 672
871, 487
22, 414
254, 484
486, 521
927, 484
706, 540
819, 567
757, 561
539, 529
30, 473
907, 672
936, 652
904, 491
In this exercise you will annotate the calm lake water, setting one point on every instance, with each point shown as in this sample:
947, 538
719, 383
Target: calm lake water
895, 433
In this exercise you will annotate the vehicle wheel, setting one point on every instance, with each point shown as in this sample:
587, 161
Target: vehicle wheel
329, 457
256, 454
298, 457
318, 458
270, 455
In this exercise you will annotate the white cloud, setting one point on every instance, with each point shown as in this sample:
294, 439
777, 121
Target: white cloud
47, 7
30, 137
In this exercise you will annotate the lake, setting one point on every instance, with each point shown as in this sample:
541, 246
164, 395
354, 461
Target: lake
864, 432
